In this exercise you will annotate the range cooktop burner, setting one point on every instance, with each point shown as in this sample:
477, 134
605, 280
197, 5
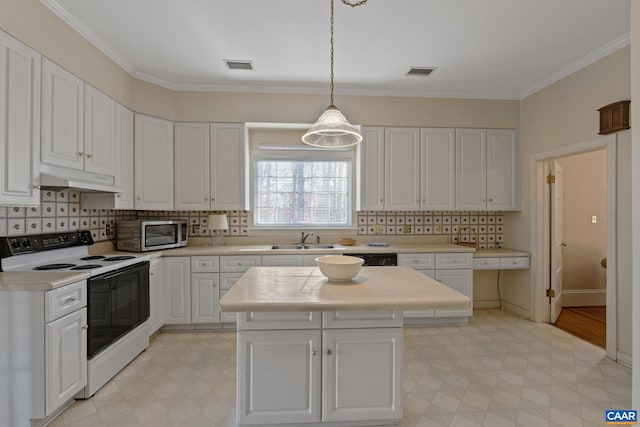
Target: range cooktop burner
53, 266
88, 258
119, 258
86, 267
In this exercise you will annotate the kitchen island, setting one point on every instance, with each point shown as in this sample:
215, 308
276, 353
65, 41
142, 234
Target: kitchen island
314, 352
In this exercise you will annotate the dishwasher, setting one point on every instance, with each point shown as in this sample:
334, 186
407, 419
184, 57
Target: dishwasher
377, 259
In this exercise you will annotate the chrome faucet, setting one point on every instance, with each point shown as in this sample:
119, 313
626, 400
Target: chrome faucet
303, 237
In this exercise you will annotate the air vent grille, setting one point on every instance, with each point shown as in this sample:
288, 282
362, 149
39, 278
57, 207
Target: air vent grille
420, 71
238, 65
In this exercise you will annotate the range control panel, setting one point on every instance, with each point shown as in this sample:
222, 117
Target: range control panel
10, 246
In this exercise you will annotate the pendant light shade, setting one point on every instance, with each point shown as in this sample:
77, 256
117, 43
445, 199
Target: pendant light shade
332, 130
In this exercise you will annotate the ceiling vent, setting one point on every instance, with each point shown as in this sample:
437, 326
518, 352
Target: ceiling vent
238, 65
420, 71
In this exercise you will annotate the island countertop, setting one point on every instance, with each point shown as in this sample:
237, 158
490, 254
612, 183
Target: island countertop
306, 289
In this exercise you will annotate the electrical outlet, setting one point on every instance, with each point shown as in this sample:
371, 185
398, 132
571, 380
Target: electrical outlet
107, 230
378, 229
406, 229
439, 228
195, 229
594, 219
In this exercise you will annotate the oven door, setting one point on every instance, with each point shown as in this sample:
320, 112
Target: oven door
118, 301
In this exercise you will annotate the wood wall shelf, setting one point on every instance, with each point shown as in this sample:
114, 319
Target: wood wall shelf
614, 117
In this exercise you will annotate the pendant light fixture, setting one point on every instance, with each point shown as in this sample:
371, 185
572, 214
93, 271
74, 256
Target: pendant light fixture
333, 130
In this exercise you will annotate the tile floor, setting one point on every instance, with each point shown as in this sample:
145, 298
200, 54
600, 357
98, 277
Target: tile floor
499, 370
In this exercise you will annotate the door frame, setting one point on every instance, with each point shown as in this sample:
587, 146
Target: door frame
540, 231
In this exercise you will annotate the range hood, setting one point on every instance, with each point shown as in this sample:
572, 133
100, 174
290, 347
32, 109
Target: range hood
58, 178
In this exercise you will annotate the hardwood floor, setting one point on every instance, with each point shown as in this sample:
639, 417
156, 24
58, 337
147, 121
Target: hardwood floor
588, 323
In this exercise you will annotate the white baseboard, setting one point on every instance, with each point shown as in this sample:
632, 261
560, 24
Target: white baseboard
584, 297
624, 359
517, 310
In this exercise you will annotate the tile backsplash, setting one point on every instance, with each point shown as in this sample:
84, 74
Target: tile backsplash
61, 211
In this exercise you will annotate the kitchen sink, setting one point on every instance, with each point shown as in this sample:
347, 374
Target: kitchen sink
307, 246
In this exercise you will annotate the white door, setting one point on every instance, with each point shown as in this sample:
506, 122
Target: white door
402, 169
177, 294
19, 123
62, 117
471, 169
99, 132
278, 377
205, 298
66, 358
372, 169
557, 243
192, 166
362, 374
437, 166
124, 156
228, 157
153, 163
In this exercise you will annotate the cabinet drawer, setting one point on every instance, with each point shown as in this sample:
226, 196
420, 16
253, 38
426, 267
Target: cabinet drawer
486, 263
239, 264
279, 320
418, 261
454, 261
62, 301
515, 262
227, 280
362, 319
205, 264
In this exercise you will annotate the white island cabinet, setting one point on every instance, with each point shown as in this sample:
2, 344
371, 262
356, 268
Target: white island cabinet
314, 352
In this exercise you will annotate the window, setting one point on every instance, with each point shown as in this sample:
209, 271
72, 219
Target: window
291, 191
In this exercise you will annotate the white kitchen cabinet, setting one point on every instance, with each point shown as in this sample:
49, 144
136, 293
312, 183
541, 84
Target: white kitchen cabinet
319, 372
228, 166
227, 280
285, 260
156, 295
192, 160
425, 263
487, 169
402, 169
66, 356
99, 132
232, 267
437, 169
62, 117
372, 169
20, 79
153, 170
461, 281
205, 298
361, 373
124, 155
177, 281
279, 376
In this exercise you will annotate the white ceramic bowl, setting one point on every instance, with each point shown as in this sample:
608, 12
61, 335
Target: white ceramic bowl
339, 268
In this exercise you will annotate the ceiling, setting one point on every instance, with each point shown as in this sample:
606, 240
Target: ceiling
497, 49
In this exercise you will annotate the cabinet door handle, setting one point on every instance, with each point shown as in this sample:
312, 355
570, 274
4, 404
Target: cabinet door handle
118, 195
90, 156
67, 300
81, 153
314, 352
491, 200
85, 327
329, 352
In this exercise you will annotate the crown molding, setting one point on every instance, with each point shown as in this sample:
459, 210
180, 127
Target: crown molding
581, 63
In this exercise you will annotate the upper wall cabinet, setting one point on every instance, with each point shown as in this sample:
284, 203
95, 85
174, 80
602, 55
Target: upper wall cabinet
78, 130
153, 163
407, 169
210, 166
124, 156
229, 157
192, 181
19, 123
488, 173
62, 117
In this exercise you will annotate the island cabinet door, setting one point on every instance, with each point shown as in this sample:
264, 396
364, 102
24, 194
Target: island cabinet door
362, 374
278, 377
461, 281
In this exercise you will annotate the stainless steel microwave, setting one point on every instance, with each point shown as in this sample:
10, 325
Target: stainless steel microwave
148, 235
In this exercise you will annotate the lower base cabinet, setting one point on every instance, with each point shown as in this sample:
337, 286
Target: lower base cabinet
329, 374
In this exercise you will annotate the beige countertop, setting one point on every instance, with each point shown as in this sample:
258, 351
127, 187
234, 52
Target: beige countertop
38, 280
265, 249
306, 289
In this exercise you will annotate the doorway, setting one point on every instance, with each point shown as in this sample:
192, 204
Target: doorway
578, 218
541, 233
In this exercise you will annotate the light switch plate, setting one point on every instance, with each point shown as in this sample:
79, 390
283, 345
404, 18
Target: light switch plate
594, 219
